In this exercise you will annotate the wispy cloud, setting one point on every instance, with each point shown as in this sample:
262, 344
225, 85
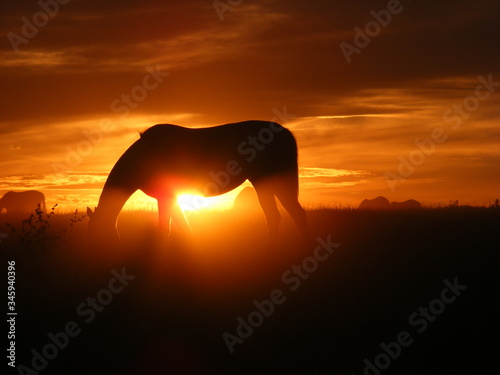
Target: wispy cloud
327, 172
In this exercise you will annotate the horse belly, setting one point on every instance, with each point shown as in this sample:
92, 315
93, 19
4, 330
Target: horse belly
205, 180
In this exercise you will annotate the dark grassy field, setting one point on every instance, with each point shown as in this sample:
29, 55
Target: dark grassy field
428, 278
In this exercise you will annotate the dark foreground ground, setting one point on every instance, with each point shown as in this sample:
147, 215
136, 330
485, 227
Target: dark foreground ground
405, 293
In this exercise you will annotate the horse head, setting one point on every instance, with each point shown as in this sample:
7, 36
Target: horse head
100, 229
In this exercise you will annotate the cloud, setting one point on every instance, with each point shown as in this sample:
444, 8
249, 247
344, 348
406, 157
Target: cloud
260, 54
327, 172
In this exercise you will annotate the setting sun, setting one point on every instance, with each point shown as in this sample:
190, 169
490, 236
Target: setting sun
193, 202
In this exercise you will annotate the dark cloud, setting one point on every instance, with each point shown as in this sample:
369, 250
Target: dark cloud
262, 52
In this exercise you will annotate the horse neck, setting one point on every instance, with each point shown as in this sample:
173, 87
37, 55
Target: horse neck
111, 202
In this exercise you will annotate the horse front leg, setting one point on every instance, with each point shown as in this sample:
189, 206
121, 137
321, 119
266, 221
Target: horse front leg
179, 219
164, 215
173, 221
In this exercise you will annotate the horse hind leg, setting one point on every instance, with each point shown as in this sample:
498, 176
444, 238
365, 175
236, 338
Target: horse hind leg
268, 204
287, 193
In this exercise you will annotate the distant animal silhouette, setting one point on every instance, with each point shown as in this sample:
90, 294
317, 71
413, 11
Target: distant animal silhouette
379, 203
410, 204
246, 200
22, 203
170, 159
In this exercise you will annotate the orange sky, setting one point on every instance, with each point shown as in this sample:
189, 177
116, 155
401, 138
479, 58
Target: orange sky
102, 71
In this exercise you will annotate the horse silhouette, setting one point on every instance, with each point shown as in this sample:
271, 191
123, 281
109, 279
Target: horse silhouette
379, 203
382, 203
410, 204
23, 202
168, 160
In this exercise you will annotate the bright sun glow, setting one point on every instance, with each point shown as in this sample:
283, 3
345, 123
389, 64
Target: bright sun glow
188, 202
192, 202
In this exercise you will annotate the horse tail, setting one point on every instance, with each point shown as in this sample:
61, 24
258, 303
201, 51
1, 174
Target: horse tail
290, 149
